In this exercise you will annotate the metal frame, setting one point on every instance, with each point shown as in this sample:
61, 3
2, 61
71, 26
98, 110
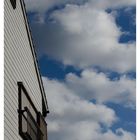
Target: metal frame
21, 111
39, 134
13, 2
41, 118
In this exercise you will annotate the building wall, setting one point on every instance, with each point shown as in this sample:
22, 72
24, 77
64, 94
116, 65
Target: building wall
18, 66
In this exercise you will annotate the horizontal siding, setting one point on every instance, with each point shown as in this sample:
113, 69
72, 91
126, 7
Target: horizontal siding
18, 66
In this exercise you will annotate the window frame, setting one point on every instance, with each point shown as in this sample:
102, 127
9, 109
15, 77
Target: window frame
22, 90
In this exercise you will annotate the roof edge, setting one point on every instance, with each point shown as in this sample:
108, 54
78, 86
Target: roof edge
23, 7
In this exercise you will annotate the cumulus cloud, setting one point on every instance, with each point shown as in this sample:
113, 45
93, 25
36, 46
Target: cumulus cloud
92, 85
84, 36
65, 102
44, 5
73, 118
111, 3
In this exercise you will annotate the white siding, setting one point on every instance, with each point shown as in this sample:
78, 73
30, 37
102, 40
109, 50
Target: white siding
19, 66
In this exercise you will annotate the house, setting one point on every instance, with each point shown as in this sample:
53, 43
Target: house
25, 104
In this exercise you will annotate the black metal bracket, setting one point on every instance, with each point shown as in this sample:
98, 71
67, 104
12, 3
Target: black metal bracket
13, 2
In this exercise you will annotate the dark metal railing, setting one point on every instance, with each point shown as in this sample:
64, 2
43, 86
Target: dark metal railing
43, 126
32, 129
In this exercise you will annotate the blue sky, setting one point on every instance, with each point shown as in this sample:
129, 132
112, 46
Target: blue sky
86, 56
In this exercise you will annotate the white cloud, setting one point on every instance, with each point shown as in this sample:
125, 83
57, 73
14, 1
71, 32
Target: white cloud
44, 5
111, 3
40, 5
92, 85
73, 118
65, 102
84, 37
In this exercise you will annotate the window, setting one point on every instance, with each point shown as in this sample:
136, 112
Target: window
13, 2
32, 125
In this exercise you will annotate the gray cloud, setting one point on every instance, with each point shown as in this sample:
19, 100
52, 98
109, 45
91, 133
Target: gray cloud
84, 37
44, 5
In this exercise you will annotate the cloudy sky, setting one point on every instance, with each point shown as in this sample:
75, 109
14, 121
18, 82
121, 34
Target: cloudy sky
86, 54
